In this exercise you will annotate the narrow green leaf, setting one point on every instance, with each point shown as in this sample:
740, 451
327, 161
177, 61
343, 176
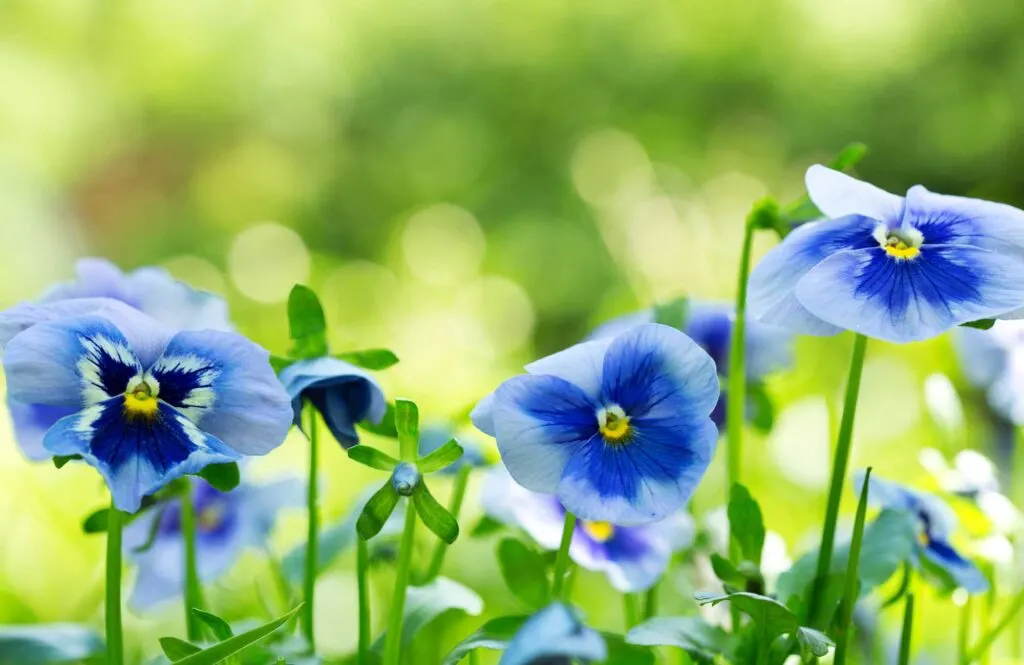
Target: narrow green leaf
621, 652
441, 457
673, 313
694, 635
229, 647
60, 460
96, 522
426, 604
761, 409
813, 642
372, 359
154, 530
220, 628
523, 569
493, 635
377, 511
980, 324
279, 363
39, 644
485, 527
407, 423
771, 616
849, 156
434, 515
852, 577
222, 477
726, 571
176, 649
746, 524
307, 325
371, 457
386, 426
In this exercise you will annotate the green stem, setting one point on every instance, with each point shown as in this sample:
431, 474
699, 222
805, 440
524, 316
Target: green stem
454, 507
989, 638
562, 560
902, 590
193, 588
842, 459
908, 629
843, 626
987, 608
471, 657
393, 638
629, 610
964, 638
312, 541
736, 386
651, 601
362, 581
115, 639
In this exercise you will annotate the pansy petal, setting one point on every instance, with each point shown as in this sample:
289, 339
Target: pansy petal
771, 295
838, 195
580, 365
956, 220
94, 278
869, 292
175, 304
554, 632
224, 383
635, 559
540, 422
482, 415
31, 422
963, 571
23, 316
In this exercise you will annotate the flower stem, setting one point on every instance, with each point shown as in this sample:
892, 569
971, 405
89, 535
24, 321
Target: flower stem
630, 608
193, 589
842, 459
983, 645
736, 386
964, 638
908, 629
651, 601
562, 560
115, 639
843, 625
393, 638
454, 507
362, 571
312, 556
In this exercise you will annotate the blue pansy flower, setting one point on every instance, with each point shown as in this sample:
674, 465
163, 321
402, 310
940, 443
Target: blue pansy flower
474, 453
343, 394
227, 523
936, 523
768, 348
553, 635
993, 361
891, 267
618, 428
150, 405
633, 558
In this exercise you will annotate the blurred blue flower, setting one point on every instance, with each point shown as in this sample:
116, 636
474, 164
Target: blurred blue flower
993, 361
150, 404
554, 635
474, 453
898, 269
101, 285
343, 394
936, 523
768, 349
226, 525
632, 557
618, 428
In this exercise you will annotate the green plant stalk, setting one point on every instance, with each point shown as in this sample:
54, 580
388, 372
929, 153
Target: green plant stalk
454, 507
908, 629
115, 637
651, 601
193, 589
562, 559
989, 638
736, 382
987, 608
964, 637
362, 581
313, 528
835, 494
396, 613
629, 606
852, 577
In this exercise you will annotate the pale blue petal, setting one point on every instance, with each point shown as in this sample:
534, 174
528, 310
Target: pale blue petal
956, 220
635, 560
621, 324
94, 278
932, 511
554, 632
31, 422
983, 357
963, 571
838, 195
23, 316
580, 365
176, 304
482, 415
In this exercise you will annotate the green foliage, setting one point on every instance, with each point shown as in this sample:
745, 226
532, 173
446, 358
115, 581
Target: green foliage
47, 643
674, 313
60, 460
772, 620
236, 644
386, 427
813, 642
377, 511
372, 359
426, 604
175, 649
493, 635
701, 640
307, 324
761, 407
434, 515
220, 628
486, 526
407, 424
222, 477
621, 652
524, 571
746, 524
372, 457
447, 454
980, 324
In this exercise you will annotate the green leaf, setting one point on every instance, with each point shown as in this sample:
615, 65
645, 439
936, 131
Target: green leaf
96, 522
760, 407
813, 642
493, 635
371, 457
772, 617
176, 649
60, 460
673, 313
377, 511
373, 359
621, 652
746, 524
980, 324
407, 423
524, 572
730, 574
765, 214
306, 322
154, 530
47, 643
694, 635
485, 527
386, 426
425, 604
849, 156
222, 477
441, 457
220, 628
229, 647
434, 515
279, 363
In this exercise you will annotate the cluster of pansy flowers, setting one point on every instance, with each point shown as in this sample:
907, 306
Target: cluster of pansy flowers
602, 445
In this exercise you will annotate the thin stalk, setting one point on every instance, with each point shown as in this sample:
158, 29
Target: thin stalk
988, 608
908, 629
842, 459
193, 589
396, 613
736, 386
964, 636
312, 541
629, 610
562, 560
454, 507
990, 637
852, 577
902, 590
362, 581
115, 638
651, 601
471, 657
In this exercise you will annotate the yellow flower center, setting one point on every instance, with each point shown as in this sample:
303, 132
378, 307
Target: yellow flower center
614, 424
209, 518
599, 531
140, 399
898, 248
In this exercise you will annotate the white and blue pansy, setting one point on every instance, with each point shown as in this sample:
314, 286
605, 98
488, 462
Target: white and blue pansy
227, 524
343, 394
936, 523
150, 405
618, 428
633, 558
554, 635
890, 267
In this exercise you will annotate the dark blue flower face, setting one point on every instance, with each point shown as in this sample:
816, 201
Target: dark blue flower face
216, 515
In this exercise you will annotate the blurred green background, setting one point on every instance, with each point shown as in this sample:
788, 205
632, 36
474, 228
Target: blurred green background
472, 184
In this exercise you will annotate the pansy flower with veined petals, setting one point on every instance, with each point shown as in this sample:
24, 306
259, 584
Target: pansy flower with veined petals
151, 404
632, 557
936, 523
890, 267
554, 635
227, 523
618, 428
343, 394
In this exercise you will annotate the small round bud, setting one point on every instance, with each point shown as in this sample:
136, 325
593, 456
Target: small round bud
405, 478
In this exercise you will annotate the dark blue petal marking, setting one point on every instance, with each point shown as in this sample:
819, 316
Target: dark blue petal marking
187, 382
162, 440
565, 413
107, 364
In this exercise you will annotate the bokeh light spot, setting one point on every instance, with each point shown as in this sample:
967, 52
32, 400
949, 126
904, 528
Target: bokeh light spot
443, 244
266, 260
